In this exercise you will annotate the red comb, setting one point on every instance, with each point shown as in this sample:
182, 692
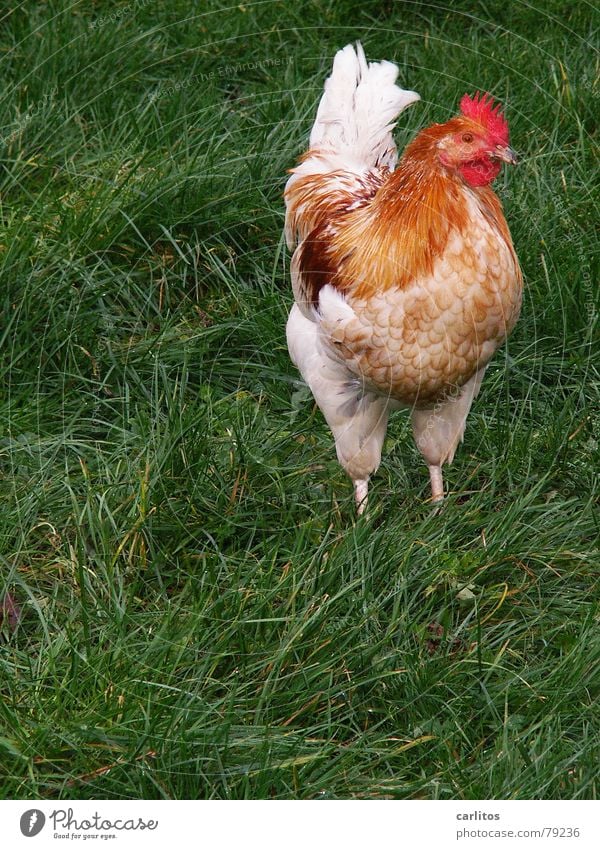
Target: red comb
481, 108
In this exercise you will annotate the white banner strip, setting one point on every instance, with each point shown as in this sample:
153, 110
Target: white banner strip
305, 825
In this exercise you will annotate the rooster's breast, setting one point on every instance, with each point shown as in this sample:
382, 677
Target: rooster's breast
436, 332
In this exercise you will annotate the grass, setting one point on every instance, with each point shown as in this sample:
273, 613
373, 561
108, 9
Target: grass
196, 612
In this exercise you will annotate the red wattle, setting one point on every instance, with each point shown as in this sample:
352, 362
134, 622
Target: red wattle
480, 172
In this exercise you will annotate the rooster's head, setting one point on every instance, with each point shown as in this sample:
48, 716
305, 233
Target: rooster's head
475, 143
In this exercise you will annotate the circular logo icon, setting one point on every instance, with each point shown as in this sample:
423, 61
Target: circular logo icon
32, 822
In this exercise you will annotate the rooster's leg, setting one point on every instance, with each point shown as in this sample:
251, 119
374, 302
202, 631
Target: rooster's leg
358, 419
358, 424
437, 483
361, 489
439, 429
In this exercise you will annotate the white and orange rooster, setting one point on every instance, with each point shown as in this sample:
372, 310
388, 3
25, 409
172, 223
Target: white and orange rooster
404, 273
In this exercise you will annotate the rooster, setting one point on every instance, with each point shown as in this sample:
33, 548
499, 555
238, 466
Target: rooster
404, 274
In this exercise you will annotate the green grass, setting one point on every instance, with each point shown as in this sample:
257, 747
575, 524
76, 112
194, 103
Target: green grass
201, 615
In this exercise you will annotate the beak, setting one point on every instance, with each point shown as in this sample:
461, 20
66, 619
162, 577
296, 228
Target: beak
505, 154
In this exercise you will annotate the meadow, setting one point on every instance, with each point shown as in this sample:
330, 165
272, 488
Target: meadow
189, 607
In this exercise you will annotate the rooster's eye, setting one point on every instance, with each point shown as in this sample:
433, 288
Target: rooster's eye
467, 138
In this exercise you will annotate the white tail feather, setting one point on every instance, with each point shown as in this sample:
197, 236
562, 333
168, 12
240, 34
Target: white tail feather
358, 110
351, 136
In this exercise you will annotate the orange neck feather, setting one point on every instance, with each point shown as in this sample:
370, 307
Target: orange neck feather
399, 229
406, 227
